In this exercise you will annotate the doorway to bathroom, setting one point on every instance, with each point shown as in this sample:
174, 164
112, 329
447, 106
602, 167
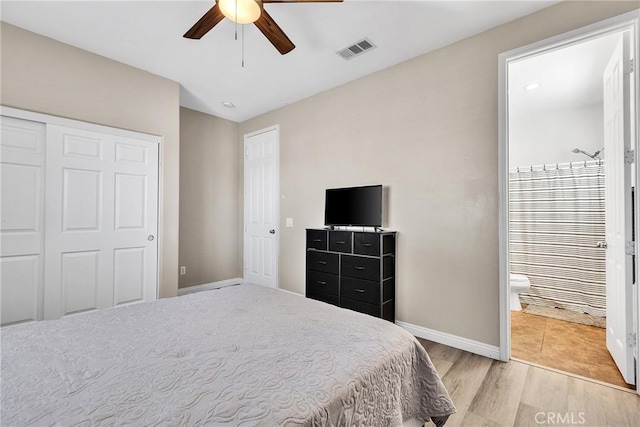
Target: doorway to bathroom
567, 221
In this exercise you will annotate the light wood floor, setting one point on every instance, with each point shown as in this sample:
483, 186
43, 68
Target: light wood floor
571, 347
487, 392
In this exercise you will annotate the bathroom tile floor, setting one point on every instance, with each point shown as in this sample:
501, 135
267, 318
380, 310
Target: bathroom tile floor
566, 346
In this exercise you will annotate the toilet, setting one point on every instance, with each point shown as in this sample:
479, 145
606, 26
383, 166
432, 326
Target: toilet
518, 283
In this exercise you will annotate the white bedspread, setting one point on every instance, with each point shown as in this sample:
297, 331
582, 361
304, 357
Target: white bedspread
242, 356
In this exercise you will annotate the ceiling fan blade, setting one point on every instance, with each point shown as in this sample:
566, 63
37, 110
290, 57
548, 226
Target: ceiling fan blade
206, 23
302, 1
274, 33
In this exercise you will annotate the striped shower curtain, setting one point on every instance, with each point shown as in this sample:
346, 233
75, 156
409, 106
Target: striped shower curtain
556, 218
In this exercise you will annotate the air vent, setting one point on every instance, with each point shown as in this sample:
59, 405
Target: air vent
356, 49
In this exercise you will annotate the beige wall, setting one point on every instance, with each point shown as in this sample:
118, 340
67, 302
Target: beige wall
209, 188
427, 129
43, 75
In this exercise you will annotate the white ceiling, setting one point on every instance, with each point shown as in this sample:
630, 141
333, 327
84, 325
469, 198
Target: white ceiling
569, 77
148, 35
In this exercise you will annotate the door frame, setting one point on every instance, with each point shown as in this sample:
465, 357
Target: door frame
275, 128
77, 124
626, 22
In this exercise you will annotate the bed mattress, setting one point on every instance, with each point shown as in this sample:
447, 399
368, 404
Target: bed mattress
242, 355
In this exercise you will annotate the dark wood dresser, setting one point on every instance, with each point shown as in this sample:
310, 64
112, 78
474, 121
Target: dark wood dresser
353, 269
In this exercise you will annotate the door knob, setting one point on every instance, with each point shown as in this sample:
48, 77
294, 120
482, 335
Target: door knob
272, 231
150, 238
602, 245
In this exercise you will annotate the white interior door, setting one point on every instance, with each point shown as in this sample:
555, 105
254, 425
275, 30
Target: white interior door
618, 216
261, 208
101, 221
21, 219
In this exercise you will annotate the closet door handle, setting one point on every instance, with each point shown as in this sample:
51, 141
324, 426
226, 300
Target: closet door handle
357, 267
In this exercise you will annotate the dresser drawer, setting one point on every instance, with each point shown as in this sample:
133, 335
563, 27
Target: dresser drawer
317, 239
366, 244
340, 241
362, 307
322, 282
329, 299
361, 267
323, 261
361, 290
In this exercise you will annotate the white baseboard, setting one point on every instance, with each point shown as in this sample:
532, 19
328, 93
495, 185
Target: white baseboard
454, 341
289, 292
209, 286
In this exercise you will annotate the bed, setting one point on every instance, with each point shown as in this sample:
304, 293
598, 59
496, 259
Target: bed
242, 355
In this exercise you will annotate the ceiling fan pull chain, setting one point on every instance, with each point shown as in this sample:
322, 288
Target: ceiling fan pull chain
236, 20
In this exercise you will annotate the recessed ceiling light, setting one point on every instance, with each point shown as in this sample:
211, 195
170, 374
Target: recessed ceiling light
228, 104
532, 86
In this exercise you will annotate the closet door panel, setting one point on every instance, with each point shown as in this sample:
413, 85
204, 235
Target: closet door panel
81, 200
80, 281
101, 221
21, 213
20, 277
20, 196
82, 147
22, 141
130, 274
130, 201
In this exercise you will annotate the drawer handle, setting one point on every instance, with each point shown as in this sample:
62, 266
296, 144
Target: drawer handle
340, 242
360, 290
357, 267
320, 282
322, 262
367, 245
317, 240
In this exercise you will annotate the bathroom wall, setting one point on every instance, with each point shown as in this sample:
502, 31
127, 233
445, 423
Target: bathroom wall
556, 102
549, 136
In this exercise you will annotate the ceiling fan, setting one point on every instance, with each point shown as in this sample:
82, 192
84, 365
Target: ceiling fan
246, 12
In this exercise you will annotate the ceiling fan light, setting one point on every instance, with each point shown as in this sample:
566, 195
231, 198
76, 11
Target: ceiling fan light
248, 10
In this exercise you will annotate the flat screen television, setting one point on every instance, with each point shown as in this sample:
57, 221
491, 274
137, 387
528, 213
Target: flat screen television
354, 206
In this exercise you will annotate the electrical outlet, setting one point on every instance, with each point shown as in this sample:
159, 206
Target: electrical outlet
183, 270
289, 222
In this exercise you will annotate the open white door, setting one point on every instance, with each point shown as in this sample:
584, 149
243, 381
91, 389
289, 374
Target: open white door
261, 207
618, 209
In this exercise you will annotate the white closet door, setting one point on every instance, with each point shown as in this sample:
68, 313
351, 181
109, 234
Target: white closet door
21, 213
101, 222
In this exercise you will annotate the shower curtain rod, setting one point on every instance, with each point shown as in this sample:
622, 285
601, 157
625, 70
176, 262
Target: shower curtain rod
551, 166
